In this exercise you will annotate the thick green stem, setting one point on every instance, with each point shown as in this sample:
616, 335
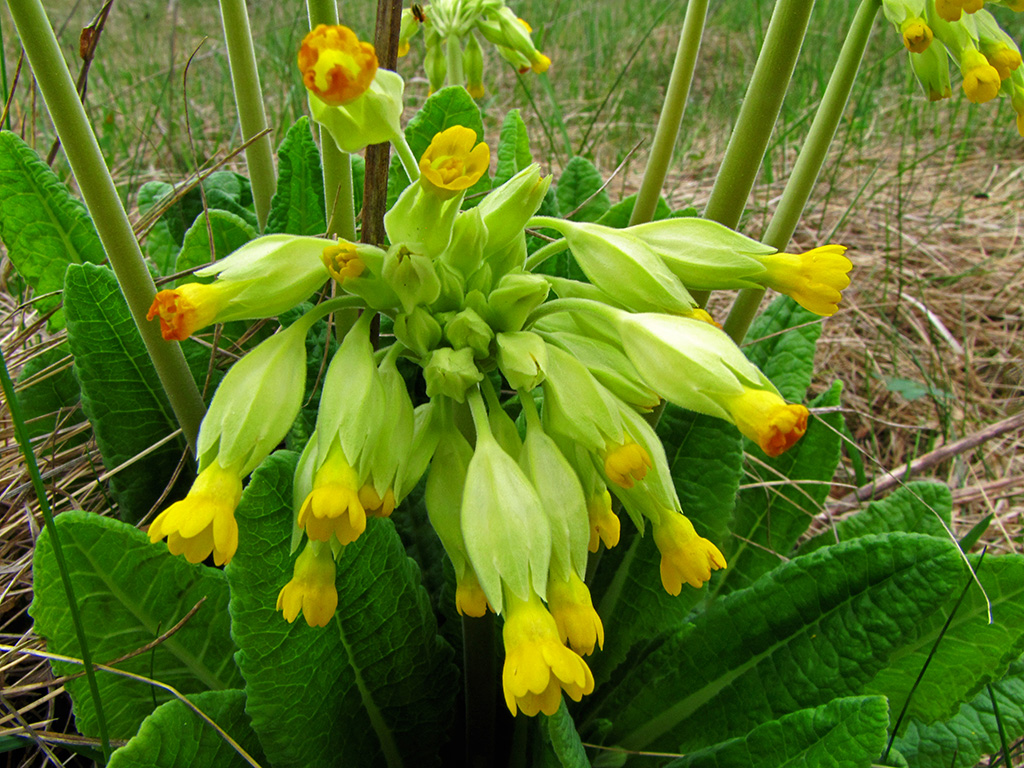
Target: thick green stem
405, 154
245, 78
453, 57
22, 436
671, 112
105, 208
812, 157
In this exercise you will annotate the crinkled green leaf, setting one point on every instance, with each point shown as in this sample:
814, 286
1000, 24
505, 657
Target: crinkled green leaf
513, 148
844, 733
160, 244
581, 187
129, 592
618, 215
814, 629
559, 734
785, 356
121, 393
225, 234
225, 191
917, 507
376, 686
972, 651
50, 396
297, 207
961, 741
43, 227
176, 737
769, 518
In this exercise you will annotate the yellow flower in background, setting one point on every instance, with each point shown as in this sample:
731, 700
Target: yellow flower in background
627, 463
204, 521
335, 65
685, 556
917, 35
981, 79
604, 524
537, 666
815, 279
333, 506
454, 162
574, 614
768, 420
311, 589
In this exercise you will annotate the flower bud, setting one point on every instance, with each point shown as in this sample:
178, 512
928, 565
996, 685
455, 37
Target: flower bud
421, 221
522, 358
473, 67
394, 439
411, 276
451, 373
576, 406
932, 71
515, 296
426, 434
609, 365
917, 35
468, 329
409, 26
506, 209
466, 248
435, 62
418, 330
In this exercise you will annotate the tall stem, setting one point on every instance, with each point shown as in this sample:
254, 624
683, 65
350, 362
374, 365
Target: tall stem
245, 79
105, 208
453, 58
812, 157
22, 436
671, 112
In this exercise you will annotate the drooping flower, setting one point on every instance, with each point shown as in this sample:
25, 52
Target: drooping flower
538, 667
626, 463
981, 79
815, 279
917, 35
311, 589
573, 611
184, 310
454, 162
333, 506
768, 420
470, 599
685, 556
604, 524
335, 65
204, 521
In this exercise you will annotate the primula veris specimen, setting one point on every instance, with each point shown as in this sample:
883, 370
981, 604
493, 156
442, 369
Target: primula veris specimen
454, 162
573, 611
685, 556
335, 65
311, 590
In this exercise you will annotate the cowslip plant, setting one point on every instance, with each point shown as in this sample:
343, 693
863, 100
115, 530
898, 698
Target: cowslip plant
456, 461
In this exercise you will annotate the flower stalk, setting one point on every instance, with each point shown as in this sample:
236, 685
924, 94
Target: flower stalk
812, 156
105, 208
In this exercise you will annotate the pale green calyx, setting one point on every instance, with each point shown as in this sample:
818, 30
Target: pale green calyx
451, 372
506, 209
373, 118
468, 329
522, 358
418, 330
515, 296
412, 277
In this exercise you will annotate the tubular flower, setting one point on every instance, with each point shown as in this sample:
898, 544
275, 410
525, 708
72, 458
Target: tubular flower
333, 506
1005, 60
204, 521
981, 79
184, 310
625, 464
452, 164
311, 589
685, 556
604, 524
768, 420
574, 614
540, 63
537, 666
336, 67
470, 599
374, 504
917, 35
814, 279
343, 262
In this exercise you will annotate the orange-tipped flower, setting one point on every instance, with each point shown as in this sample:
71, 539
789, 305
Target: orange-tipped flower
768, 420
452, 164
336, 67
183, 311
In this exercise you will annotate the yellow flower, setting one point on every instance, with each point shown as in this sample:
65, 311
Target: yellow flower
1005, 60
815, 279
981, 79
685, 556
768, 420
540, 63
604, 524
476, 90
537, 666
343, 262
183, 311
574, 614
625, 464
204, 521
374, 504
917, 35
470, 599
335, 65
311, 589
333, 506
452, 164
949, 10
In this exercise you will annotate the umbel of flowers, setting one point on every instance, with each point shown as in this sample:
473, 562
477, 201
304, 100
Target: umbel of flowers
934, 31
517, 510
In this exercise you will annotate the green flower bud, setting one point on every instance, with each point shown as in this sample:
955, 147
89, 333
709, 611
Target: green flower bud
426, 434
453, 289
610, 365
522, 358
466, 249
434, 62
412, 277
623, 266
421, 220
514, 298
451, 372
443, 494
506, 209
576, 406
468, 329
392, 442
510, 258
372, 118
501, 425
473, 67
418, 330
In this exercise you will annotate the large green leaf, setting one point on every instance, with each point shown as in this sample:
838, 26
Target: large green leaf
298, 205
50, 396
917, 507
973, 651
129, 592
785, 493
375, 686
176, 737
559, 736
785, 356
513, 148
161, 246
581, 192
121, 393
43, 227
813, 629
445, 108
961, 741
204, 243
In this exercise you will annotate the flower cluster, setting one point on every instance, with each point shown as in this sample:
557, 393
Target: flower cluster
452, 29
520, 506
988, 58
